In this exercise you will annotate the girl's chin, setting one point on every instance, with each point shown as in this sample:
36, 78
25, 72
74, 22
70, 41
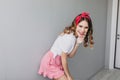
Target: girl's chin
81, 36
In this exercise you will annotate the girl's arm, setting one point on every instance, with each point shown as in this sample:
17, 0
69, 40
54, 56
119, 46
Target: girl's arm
73, 52
76, 46
65, 65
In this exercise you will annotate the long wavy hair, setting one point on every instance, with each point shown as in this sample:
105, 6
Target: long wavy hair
88, 40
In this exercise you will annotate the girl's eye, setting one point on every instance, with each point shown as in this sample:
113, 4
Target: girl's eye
80, 26
86, 27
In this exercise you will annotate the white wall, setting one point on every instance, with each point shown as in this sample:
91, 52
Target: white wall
28, 28
110, 33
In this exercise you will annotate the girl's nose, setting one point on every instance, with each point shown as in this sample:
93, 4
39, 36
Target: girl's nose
83, 30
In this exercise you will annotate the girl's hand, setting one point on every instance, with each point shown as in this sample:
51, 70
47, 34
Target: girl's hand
69, 78
79, 40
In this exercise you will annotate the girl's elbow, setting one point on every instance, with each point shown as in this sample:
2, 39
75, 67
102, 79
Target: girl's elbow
70, 56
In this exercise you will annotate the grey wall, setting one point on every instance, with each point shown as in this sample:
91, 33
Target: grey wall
28, 28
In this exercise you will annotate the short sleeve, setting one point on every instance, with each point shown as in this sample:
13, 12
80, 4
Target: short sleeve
65, 44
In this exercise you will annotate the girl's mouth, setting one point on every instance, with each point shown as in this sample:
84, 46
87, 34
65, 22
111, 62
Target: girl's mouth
82, 34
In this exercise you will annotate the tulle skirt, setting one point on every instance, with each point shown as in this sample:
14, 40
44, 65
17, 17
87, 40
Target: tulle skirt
51, 67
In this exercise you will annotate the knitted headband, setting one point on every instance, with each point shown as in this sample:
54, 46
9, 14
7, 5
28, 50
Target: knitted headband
82, 15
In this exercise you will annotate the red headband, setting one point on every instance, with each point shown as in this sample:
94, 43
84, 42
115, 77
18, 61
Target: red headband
82, 15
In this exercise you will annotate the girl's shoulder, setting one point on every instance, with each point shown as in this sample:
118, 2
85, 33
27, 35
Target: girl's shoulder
61, 34
69, 36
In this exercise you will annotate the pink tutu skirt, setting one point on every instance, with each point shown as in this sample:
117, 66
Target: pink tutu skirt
51, 67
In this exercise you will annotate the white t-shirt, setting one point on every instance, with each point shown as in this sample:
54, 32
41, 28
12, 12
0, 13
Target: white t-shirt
63, 43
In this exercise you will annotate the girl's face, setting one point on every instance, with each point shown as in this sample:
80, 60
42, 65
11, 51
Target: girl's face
82, 28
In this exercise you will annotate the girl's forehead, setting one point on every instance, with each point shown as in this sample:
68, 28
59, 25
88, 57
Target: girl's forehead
83, 23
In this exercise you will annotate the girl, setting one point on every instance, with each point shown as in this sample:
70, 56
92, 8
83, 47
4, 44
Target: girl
54, 64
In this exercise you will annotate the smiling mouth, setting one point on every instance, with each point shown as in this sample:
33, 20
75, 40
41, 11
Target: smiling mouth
82, 34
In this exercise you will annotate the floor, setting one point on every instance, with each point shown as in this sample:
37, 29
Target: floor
107, 75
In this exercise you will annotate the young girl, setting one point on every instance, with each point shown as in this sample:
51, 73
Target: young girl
54, 64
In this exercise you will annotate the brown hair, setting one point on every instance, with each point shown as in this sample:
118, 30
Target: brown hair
88, 40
